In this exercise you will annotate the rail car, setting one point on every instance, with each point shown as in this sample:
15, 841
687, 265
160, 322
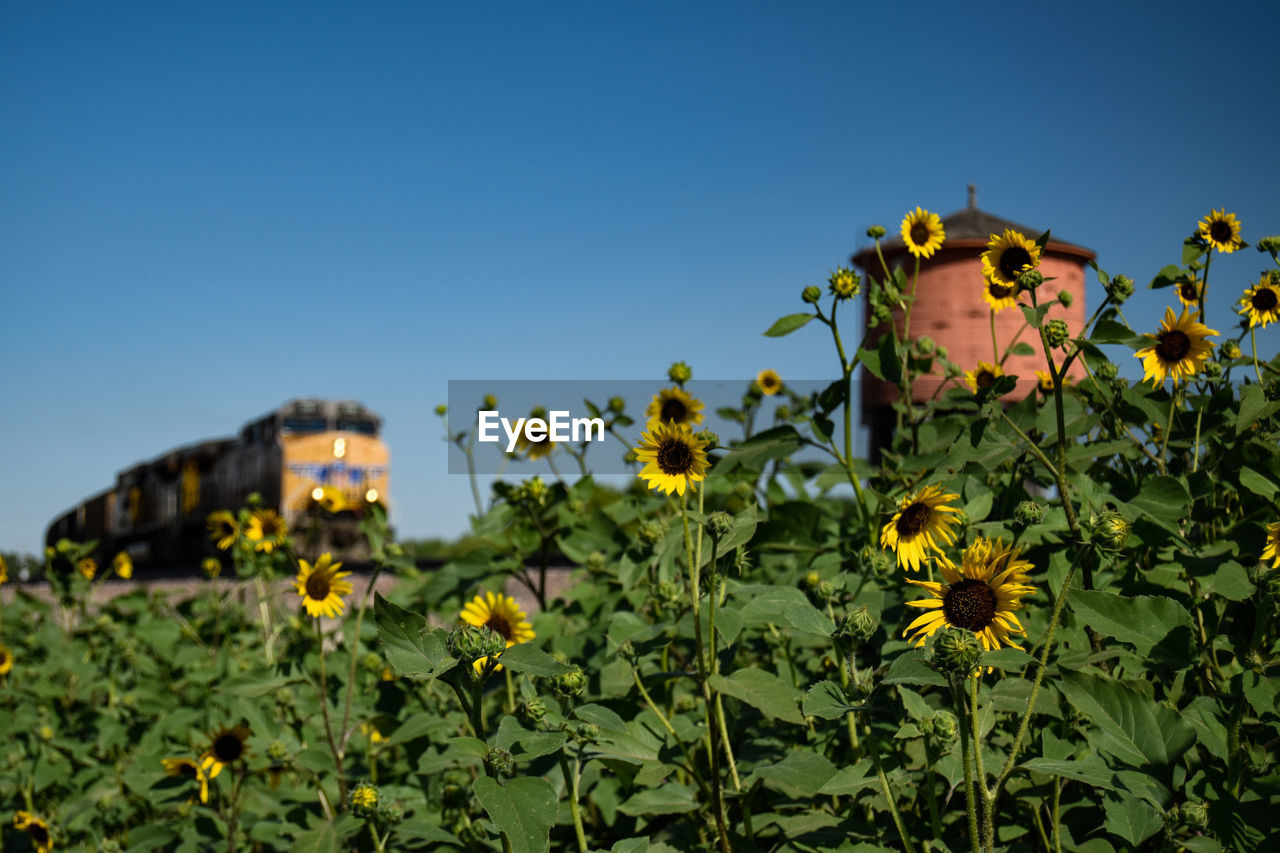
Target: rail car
156, 512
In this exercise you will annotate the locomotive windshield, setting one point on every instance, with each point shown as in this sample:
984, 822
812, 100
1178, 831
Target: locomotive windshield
304, 424
360, 425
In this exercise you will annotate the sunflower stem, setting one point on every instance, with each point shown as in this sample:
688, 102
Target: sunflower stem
1204, 282
995, 347
355, 649
1253, 339
888, 792
571, 780
1164, 439
328, 724
988, 801
847, 366
966, 759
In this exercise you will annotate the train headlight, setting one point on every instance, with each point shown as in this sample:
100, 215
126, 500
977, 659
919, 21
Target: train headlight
317, 493
339, 448
371, 496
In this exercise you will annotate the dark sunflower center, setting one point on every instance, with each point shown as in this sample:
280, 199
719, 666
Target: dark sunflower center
500, 625
39, 834
913, 519
1174, 346
1188, 291
985, 379
187, 770
1012, 260
919, 233
1264, 299
675, 457
1220, 231
969, 604
227, 748
673, 410
769, 382
999, 291
4, 658
270, 528
317, 586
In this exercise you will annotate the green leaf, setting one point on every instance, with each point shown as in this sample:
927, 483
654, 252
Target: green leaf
531, 660
826, 700
1111, 332
1009, 659
1143, 621
670, 798
1132, 727
522, 808
910, 668
1164, 500
782, 605
1229, 581
1191, 250
800, 775
1252, 404
761, 449
1130, 818
1022, 348
1256, 483
883, 362
1091, 771
788, 324
763, 690
1035, 316
414, 650
1167, 277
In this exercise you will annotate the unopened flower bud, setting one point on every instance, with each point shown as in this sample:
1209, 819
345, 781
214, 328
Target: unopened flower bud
1195, 815
812, 579
783, 413
858, 624
1230, 350
710, 439
679, 373
585, 732
1030, 280
925, 345
891, 292
391, 813
1108, 371
1028, 513
1212, 370
1269, 244
470, 643
371, 661
1110, 529
499, 759
617, 404
945, 725
720, 524
811, 294
1065, 298
490, 402
875, 232
364, 800
569, 684
1056, 332
956, 651
650, 531
442, 410
1120, 288
532, 711
595, 562
881, 314
845, 283
277, 750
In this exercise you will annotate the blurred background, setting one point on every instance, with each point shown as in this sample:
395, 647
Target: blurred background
210, 211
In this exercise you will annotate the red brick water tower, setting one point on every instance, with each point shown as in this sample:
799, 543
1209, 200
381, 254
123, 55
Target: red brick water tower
950, 309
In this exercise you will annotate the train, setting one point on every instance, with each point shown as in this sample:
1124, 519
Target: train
291, 458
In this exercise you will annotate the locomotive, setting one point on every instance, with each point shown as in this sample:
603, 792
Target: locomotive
291, 458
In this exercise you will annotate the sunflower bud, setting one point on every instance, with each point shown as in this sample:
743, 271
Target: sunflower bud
569, 684
943, 725
371, 661
595, 562
812, 579
1030, 280
875, 232
1108, 371
719, 524
1120, 288
943, 353
925, 345
617, 404
584, 732
1212, 370
277, 750
1110, 529
470, 643
499, 759
845, 283
1028, 513
811, 294
956, 651
532, 712
679, 373
858, 624
1230, 350
1065, 298
891, 292
1269, 244
1194, 815
669, 594
110, 845
783, 413
881, 314
364, 799
442, 410
708, 438
490, 402
1056, 332
650, 531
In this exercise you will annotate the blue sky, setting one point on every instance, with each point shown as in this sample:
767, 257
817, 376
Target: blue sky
210, 210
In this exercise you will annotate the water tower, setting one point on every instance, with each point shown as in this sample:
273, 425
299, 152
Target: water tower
950, 309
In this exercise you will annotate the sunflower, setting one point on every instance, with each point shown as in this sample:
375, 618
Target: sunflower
212, 566
331, 498
1221, 230
920, 526
674, 405
226, 747
4, 569
535, 448
1008, 256
1044, 382
769, 382
999, 296
1189, 289
1272, 551
673, 457
88, 567
123, 565
223, 529
980, 595
983, 376
923, 233
322, 586
36, 828
266, 529
6, 659
1179, 348
500, 614
1261, 303
188, 769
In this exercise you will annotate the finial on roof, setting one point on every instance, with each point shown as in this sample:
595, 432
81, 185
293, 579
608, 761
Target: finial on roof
973, 197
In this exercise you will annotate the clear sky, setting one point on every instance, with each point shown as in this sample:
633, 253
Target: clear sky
208, 209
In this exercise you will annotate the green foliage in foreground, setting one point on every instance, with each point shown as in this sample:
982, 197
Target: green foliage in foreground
728, 671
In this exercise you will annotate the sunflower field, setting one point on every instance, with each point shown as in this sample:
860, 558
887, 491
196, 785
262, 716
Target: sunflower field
1044, 619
